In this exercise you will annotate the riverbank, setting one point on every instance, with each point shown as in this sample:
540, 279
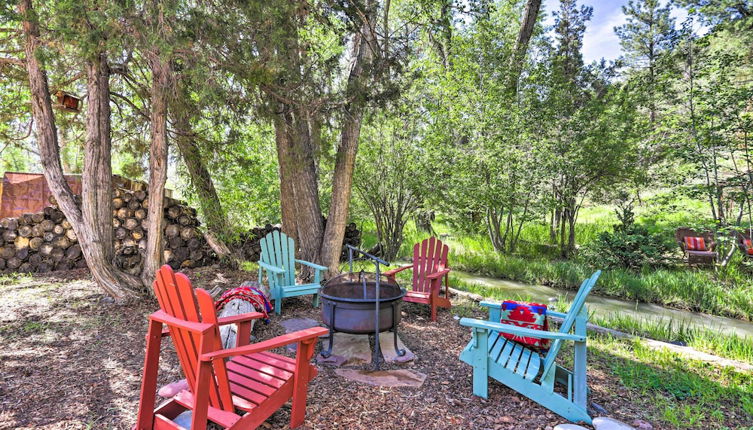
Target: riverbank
722, 336
725, 293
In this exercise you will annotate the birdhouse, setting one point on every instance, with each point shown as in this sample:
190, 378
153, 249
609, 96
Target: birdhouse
67, 102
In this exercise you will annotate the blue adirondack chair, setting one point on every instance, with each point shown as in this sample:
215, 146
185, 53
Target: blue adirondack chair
525, 370
278, 261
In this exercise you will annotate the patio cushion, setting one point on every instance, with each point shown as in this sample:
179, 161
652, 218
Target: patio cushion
695, 243
529, 315
748, 246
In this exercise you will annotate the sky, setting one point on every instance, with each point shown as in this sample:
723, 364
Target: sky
600, 41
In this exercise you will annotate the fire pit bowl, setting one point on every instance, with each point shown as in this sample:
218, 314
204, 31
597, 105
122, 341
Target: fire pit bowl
349, 305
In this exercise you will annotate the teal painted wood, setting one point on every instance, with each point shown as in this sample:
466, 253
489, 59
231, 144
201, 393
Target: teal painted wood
278, 262
523, 369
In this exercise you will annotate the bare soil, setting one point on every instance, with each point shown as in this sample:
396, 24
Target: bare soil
72, 360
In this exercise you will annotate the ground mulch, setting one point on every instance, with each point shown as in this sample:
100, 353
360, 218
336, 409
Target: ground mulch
72, 360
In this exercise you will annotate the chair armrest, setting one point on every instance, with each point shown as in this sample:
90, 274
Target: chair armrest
233, 319
276, 342
312, 265
519, 331
399, 269
270, 268
439, 274
556, 314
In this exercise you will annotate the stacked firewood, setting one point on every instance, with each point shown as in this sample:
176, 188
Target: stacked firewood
45, 241
39, 242
249, 247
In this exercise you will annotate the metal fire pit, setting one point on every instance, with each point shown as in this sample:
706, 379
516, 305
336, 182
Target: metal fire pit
350, 305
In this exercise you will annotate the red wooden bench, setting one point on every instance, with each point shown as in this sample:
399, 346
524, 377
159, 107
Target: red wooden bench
429, 268
254, 381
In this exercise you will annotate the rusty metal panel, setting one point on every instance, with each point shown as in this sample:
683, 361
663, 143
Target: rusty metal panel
28, 192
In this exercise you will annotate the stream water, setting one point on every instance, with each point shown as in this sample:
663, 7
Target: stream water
604, 307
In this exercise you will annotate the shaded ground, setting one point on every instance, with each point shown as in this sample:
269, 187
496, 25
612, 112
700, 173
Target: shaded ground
70, 360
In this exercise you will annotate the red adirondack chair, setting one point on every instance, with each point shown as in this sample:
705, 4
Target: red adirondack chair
254, 380
429, 267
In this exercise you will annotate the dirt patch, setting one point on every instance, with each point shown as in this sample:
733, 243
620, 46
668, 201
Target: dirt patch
71, 360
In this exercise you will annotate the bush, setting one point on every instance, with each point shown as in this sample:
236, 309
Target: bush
629, 246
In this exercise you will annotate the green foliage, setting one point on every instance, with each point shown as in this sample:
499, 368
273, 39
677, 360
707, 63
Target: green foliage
629, 247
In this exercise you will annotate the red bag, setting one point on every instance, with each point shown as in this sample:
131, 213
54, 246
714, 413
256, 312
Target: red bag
529, 315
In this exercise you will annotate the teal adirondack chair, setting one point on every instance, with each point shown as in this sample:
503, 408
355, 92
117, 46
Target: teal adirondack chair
278, 261
526, 371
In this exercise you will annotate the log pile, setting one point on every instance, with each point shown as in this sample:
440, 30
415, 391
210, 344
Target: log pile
45, 241
249, 247
39, 242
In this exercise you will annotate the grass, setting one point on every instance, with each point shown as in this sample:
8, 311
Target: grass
728, 345
684, 393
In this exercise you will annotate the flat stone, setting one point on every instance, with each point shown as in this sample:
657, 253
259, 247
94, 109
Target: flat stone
387, 346
604, 423
294, 324
354, 348
334, 360
384, 378
643, 425
569, 427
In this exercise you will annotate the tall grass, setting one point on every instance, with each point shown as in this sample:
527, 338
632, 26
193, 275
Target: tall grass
719, 343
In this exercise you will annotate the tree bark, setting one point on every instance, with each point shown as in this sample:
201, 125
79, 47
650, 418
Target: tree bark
530, 14
211, 207
90, 229
162, 78
287, 206
364, 45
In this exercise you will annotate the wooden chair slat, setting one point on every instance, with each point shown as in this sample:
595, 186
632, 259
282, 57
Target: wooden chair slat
257, 375
533, 367
263, 365
246, 393
279, 361
248, 381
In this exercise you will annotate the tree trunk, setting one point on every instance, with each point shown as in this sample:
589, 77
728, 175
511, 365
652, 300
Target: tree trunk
88, 227
305, 188
161, 87
287, 206
214, 215
530, 14
364, 45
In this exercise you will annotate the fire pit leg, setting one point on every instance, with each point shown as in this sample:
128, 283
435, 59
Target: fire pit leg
328, 352
400, 352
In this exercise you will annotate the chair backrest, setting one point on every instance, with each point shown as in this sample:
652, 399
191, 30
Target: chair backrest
277, 249
575, 308
429, 256
178, 299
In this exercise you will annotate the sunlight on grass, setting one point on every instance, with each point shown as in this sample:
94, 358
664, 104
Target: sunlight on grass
690, 394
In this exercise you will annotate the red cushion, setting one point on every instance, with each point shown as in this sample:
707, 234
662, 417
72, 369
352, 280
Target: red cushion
529, 315
695, 244
748, 246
